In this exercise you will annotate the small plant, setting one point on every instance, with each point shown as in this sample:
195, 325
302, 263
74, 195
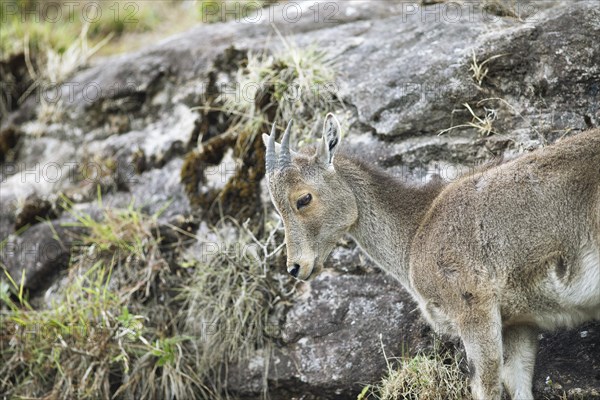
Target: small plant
483, 125
163, 369
479, 70
363, 393
52, 66
59, 65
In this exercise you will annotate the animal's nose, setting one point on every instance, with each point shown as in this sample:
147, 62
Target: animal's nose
294, 270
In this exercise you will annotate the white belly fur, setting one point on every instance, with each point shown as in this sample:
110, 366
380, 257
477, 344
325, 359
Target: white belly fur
580, 297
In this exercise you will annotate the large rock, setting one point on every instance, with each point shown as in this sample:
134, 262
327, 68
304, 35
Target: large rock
333, 339
414, 81
39, 253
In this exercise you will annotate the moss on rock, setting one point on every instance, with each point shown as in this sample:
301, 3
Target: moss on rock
9, 138
34, 209
194, 165
240, 197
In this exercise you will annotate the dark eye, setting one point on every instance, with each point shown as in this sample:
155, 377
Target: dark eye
303, 201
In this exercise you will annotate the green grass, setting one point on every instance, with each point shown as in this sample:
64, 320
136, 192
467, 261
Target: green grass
123, 322
68, 350
56, 38
56, 26
102, 322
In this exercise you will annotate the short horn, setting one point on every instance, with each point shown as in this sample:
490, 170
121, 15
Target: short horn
284, 156
270, 159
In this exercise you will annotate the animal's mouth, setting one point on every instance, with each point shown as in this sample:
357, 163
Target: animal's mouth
315, 270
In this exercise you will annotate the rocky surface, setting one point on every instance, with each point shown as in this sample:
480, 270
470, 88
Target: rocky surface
332, 340
128, 122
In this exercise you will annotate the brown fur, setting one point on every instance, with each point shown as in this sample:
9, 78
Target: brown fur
492, 257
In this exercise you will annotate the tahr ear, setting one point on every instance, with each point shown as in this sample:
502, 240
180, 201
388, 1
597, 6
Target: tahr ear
330, 140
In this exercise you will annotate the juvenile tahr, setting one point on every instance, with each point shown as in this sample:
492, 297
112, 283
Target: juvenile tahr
493, 257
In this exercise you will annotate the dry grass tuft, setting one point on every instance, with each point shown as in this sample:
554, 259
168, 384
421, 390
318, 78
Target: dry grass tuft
479, 69
424, 378
435, 376
291, 82
231, 299
483, 125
